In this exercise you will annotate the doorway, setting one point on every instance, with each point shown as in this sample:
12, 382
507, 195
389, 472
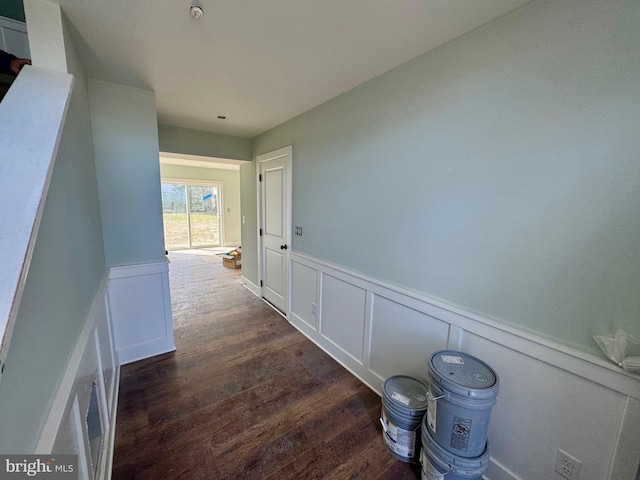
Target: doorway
274, 236
192, 214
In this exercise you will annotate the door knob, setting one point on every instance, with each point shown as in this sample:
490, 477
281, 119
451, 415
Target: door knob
283, 247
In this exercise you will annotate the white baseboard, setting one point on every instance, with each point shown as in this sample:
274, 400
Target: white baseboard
133, 353
252, 287
497, 471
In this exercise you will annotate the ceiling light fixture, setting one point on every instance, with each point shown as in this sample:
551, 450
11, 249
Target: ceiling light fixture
196, 11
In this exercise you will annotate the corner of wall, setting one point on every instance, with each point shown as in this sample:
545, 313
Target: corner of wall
46, 40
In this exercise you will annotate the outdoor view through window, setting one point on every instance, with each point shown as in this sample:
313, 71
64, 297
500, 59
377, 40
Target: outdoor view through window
191, 215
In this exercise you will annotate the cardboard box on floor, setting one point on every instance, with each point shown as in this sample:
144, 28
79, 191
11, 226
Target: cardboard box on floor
230, 261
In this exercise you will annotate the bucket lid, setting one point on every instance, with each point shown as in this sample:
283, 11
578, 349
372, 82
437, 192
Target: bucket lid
463, 374
451, 462
403, 392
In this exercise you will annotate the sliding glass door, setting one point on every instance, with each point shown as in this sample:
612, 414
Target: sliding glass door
191, 214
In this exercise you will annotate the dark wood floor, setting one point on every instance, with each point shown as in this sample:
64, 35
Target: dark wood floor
245, 395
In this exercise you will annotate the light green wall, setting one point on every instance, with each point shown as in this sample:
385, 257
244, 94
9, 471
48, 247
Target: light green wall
230, 190
206, 144
499, 173
12, 9
125, 138
65, 272
249, 200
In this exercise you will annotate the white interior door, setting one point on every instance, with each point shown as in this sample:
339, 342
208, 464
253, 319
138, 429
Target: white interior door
275, 226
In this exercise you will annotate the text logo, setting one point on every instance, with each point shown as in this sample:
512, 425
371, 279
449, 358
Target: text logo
51, 467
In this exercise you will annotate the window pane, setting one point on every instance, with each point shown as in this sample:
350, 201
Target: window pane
203, 207
174, 214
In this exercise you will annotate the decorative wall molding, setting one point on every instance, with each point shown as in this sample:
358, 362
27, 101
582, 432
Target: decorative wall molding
140, 304
574, 361
93, 359
139, 295
627, 446
551, 396
136, 270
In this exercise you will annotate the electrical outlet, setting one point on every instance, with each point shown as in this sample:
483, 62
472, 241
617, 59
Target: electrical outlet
567, 466
314, 308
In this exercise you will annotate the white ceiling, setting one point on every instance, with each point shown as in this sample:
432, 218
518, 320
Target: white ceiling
260, 62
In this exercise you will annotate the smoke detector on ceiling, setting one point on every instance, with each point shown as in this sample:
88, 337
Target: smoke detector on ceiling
196, 11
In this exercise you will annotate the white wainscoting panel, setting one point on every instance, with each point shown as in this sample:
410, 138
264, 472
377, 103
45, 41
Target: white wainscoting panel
342, 316
626, 463
304, 286
541, 408
93, 360
140, 306
402, 338
550, 396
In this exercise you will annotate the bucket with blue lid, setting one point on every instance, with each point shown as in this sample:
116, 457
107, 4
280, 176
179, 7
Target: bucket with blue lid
462, 392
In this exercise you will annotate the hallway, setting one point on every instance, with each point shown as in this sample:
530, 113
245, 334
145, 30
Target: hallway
244, 395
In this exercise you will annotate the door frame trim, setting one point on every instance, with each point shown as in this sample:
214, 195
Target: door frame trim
265, 157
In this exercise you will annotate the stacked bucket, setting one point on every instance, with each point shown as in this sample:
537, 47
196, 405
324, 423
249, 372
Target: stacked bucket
404, 405
444, 425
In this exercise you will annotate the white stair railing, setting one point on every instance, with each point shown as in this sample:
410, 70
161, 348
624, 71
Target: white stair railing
32, 116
